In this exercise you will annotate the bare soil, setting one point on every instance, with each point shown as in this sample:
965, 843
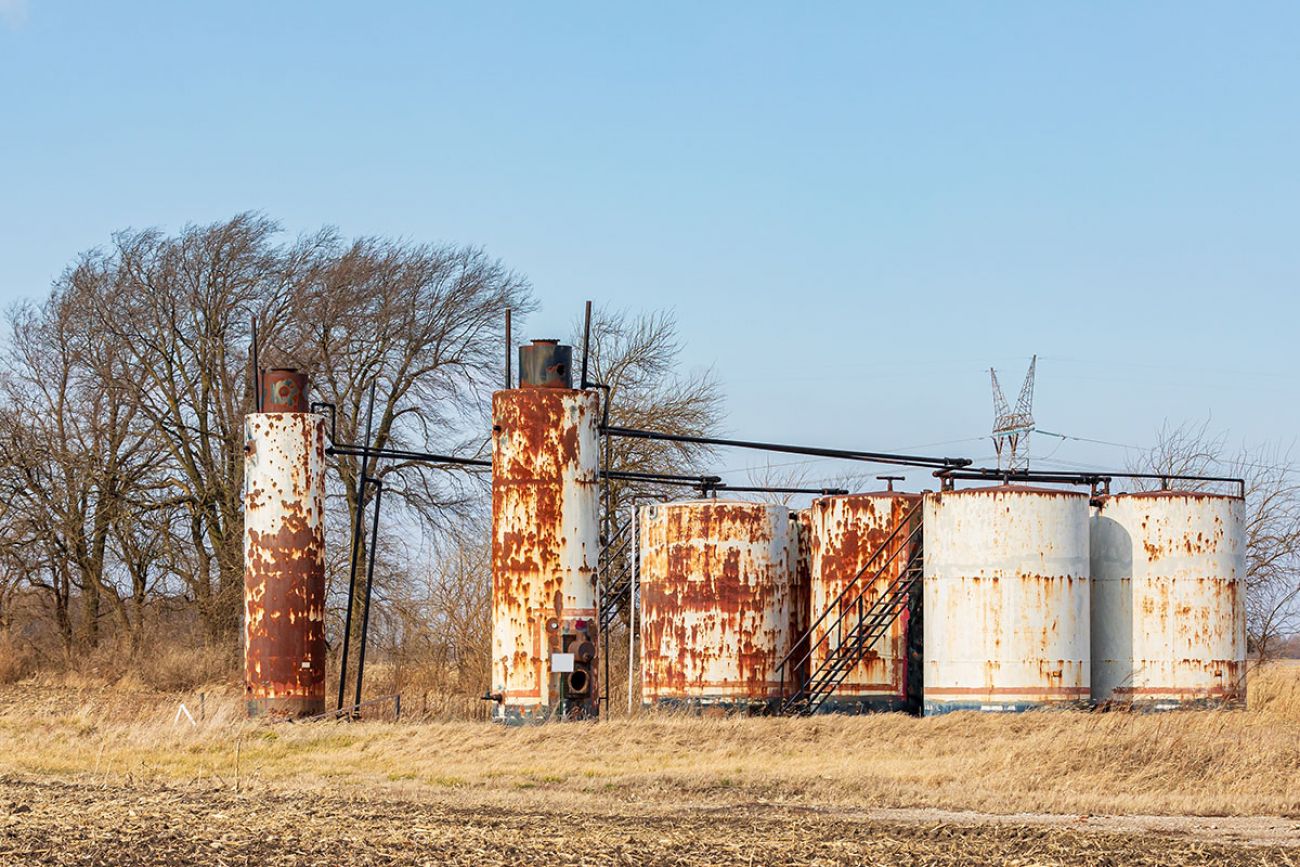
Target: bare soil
49, 822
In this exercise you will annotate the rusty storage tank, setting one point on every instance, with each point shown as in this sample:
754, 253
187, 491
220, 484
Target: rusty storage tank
847, 532
800, 595
716, 588
1168, 599
1006, 599
545, 546
284, 554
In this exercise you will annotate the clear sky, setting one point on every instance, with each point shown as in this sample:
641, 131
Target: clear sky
855, 209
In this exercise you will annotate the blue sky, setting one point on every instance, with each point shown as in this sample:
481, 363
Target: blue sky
855, 209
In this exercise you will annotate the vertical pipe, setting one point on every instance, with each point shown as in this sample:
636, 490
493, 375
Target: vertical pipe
609, 526
356, 547
631, 608
257, 373
370, 581
586, 345
509, 373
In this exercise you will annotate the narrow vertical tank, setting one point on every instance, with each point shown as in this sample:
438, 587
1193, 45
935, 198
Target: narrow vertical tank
847, 532
800, 595
716, 587
1006, 599
284, 560
545, 546
1168, 599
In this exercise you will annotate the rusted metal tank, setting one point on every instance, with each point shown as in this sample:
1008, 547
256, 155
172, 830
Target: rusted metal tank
847, 531
716, 595
1168, 599
284, 564
284, 390
800, 595
545, 547
1006, 599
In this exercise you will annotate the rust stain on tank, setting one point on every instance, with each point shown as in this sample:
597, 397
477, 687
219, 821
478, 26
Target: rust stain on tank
1169, 617
1006, 599
545, 547
284, 565
800, 594
847, 533
716, 596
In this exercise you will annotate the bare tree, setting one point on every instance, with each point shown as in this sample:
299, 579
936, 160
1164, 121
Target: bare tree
79, 452
425, 325
180, 309
637, 356
1272, 528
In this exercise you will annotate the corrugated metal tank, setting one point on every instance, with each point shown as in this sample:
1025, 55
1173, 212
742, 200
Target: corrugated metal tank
716, 597
1006, 599
846, 532
545, 546
1168, 599
284, 564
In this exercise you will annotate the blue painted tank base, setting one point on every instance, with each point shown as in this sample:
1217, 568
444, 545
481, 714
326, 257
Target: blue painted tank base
939, 708
1172, 705
858, 705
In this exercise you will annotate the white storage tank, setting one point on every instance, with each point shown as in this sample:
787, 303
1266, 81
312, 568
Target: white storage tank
1168, 599
717, 603
1006, 599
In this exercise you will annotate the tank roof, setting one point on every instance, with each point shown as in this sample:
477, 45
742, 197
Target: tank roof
906, 494
1016, 489
716, 501
1161, 495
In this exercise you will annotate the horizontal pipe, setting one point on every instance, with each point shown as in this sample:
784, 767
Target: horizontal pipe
665, 478
845, 454
758, 489
1023, 476
404, 455
1082, 478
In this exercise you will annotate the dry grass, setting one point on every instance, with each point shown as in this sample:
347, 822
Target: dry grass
1232, 763
106, 775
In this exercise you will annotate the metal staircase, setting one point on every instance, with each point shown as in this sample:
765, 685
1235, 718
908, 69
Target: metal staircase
854, 622
618, 573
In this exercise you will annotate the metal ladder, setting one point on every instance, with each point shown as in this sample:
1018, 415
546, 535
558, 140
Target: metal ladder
857, 626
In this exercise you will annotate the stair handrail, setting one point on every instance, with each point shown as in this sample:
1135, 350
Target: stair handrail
834, 605
814, 687
881, 607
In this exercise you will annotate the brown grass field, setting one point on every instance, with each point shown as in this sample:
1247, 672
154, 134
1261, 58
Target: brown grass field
92, 775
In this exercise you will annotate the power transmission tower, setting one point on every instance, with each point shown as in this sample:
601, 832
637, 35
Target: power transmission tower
1011, 428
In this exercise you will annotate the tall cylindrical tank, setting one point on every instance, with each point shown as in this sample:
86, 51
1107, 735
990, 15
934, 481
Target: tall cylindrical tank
800, 594
716, 587
1168, 599
284, 564
545, 547
846, 532
1006, 599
